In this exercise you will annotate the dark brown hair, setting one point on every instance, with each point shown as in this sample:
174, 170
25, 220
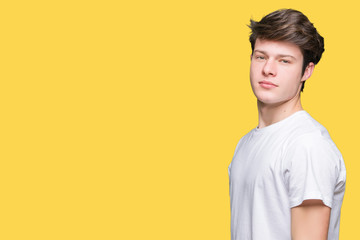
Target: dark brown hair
291, 26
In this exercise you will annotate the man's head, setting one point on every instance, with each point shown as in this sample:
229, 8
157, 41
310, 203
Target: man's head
288, 25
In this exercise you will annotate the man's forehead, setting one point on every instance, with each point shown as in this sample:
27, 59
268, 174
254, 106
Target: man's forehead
277, 48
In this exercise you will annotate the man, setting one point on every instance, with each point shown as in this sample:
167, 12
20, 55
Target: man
287, 177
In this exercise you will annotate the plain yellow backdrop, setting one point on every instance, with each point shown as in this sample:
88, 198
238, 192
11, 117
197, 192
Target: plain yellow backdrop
119, 118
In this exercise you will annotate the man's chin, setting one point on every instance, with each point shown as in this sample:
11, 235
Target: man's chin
269, 102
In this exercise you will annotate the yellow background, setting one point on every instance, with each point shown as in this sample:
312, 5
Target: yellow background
119, 118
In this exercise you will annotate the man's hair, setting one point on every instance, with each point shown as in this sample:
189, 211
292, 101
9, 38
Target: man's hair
291, 26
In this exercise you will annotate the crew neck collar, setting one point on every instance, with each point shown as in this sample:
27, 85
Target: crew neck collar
278, 123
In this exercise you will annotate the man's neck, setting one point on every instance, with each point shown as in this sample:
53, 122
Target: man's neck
269, 114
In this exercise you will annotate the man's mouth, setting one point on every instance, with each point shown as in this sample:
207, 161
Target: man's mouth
267, 84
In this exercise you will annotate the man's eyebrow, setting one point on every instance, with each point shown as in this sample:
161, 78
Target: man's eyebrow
263, 52
280, 55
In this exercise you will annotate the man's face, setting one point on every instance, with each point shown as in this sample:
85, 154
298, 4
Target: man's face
276, 71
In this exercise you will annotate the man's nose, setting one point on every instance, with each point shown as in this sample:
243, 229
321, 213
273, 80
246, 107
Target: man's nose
269, 68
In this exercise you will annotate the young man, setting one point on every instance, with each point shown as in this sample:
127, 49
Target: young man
287, 177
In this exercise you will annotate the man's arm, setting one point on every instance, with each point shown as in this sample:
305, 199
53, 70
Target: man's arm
310, 220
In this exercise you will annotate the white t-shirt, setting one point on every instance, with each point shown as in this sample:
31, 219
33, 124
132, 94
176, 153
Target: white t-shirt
275, 168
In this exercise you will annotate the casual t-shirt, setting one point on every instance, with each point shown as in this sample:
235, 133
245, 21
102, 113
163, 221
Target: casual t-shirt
275, 168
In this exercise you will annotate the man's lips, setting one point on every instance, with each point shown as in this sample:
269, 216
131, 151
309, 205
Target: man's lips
267, 84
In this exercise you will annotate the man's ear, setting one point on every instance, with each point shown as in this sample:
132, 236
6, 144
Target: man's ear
308, 71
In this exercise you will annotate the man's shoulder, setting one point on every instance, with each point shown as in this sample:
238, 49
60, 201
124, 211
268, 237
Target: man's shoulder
306, 132
306, 127
314, 137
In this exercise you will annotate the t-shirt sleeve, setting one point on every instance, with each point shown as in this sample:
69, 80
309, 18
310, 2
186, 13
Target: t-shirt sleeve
229, 167
236, 148
313, 169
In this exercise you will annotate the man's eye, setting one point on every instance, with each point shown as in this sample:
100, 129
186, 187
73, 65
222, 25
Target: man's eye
285, 61
260, 57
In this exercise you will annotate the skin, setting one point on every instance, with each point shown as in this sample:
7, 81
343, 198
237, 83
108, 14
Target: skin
281, 64
310, 220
